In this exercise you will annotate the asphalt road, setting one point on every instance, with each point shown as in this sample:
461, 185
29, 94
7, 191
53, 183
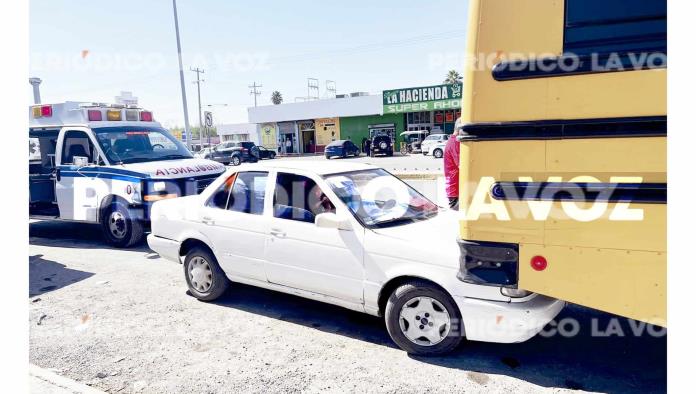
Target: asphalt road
122, 321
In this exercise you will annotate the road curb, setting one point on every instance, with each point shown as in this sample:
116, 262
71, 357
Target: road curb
58, 384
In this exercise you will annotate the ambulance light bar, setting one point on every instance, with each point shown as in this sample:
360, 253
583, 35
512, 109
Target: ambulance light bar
42, 111
94, 115
113, 114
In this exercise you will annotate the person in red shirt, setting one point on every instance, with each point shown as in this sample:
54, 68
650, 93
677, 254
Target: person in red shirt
452, 170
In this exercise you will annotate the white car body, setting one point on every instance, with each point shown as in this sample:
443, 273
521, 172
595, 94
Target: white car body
432, 140
347, 267
435, 146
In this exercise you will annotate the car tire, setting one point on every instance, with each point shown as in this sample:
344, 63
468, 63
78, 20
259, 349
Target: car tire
205, 279
390, 153
328, 157
119, 226
272, 156
236, 160
437, 153
440, 320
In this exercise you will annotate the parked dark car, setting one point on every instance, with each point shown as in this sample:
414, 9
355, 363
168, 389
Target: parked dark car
342, 148
235, 152
266, 153
382, 145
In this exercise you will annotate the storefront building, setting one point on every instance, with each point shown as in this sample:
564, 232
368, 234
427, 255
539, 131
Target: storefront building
307, 127
432, 108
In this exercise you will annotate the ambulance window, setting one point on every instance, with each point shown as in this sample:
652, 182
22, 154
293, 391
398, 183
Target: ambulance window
76, 143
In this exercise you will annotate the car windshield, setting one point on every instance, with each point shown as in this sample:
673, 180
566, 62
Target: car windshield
139, 144
379, 199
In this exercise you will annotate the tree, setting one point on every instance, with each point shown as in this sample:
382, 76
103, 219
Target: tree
453, 77
276, 97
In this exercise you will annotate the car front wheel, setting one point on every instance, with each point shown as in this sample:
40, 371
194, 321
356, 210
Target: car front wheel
204, 277
437, 153
120, 227
236, 160
422, 319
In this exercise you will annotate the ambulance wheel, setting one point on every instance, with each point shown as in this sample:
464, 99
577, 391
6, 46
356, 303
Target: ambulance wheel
120, 228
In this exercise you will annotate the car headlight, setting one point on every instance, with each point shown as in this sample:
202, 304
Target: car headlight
514, 293
159, 186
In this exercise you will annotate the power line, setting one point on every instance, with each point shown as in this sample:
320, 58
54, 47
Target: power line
255, 91
200, 110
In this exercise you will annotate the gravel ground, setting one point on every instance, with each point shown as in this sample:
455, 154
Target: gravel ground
122, 321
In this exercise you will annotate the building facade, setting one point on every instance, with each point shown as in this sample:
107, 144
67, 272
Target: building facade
307, 127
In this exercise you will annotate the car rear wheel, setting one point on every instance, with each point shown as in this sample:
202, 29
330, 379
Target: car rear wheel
204, 277
236, 160
422, 319
437, 153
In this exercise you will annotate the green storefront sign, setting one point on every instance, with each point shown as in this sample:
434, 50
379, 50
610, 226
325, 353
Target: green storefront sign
427, 98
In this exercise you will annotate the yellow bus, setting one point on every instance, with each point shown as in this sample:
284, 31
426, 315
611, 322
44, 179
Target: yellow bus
563, 167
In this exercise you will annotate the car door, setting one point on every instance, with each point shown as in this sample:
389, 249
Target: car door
78, 190
301, 255
235, 224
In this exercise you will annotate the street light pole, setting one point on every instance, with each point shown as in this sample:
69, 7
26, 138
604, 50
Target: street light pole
187, 127
200, 113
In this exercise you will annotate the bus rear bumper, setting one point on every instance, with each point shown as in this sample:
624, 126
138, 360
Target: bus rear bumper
506, 322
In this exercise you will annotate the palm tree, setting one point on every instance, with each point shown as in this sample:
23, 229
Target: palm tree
276, 97
453, 77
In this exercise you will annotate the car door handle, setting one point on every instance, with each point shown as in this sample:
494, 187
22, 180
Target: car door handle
277, 232
208, 221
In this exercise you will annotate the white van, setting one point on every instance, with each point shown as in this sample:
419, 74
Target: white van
98, 163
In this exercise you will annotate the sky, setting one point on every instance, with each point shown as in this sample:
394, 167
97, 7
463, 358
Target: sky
92, 50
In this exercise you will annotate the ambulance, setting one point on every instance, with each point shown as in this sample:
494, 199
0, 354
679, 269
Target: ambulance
107, 164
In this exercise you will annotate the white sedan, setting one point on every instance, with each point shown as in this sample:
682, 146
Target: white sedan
437, 149
348, 234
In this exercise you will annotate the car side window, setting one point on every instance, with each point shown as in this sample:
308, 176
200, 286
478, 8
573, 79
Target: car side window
248, 192
222, 194
297, 197
76, 144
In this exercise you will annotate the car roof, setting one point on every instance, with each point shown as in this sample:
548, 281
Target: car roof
319, 167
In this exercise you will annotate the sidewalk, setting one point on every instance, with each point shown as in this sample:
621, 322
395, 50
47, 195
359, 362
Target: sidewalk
43, 381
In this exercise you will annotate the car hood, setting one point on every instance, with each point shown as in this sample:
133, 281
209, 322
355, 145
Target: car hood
433, 239
173, 169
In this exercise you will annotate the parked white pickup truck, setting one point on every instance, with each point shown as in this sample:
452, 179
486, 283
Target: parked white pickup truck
348, 234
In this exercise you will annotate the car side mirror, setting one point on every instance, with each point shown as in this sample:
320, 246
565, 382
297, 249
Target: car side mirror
332, 220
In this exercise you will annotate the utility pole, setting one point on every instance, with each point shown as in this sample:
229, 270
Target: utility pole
254, 91
187, 127
35, 82
200, 114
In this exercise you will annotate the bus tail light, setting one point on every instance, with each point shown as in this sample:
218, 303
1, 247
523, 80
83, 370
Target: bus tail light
94, 115
146, 116
539, 263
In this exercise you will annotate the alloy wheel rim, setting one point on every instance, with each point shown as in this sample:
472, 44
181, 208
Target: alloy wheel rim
117, 224
200, 274
236, 161
424, 321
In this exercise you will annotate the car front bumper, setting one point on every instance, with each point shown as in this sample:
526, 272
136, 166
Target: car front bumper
167, 248
506, 322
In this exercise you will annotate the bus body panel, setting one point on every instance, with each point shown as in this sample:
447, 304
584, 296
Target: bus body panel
505, 29
614, 266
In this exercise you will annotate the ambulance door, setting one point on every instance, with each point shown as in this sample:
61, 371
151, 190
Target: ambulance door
79, 179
